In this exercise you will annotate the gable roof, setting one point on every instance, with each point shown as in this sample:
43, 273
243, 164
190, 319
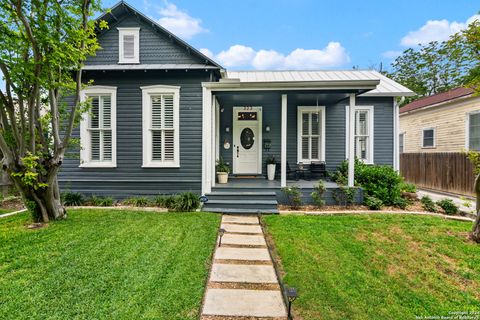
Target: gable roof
385, 87
122, 7
450, 95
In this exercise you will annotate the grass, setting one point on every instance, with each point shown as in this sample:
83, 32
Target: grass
3, 211
377, 266
106, 264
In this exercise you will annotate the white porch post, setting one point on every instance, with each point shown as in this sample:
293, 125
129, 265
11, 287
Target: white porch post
213, 140
206, 140
283, 154
351, 141
396, 136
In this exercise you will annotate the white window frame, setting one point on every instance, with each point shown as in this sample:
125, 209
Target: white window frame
85, 150
129, 31
371, 131
146, 121
402, 135
467, 128
300, 110
434, 138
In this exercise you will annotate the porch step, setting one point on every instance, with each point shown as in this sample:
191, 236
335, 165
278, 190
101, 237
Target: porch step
241, 201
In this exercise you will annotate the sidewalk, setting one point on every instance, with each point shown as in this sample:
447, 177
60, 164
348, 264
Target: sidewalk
243, 282
465, 204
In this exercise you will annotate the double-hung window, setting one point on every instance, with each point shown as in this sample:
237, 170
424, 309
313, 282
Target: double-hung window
311, 134
428, 138
473, 131
363, 131
401, 142
128, 45
161, 143
98, 128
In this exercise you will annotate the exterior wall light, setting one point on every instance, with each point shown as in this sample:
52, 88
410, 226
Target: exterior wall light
227, 129
267, 128
291, 294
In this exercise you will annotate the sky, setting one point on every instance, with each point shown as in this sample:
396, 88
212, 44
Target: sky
307, 34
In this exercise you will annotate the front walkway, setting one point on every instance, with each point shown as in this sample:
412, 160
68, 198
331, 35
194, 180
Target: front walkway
242, 281
464, 204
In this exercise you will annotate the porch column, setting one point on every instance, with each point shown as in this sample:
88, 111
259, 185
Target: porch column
351, 141
283, 154
213, 140
396, 135
206, 140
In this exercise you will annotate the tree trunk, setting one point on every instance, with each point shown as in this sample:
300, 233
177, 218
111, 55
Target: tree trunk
476, 223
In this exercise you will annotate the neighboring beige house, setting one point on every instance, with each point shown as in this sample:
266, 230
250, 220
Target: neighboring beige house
445, 122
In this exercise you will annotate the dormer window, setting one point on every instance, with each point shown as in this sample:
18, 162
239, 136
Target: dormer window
128, 45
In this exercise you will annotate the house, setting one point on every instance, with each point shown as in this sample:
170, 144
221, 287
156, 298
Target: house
163, 113
444, 122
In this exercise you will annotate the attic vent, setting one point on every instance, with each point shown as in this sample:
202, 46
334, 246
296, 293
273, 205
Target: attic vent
128, 45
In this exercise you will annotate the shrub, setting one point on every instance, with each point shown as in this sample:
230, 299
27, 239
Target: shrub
186, 202
136, 201
448, 206
100, 201
317, 194
372, 203
474, 157
293, 195
345, 195
72, 198
408, 187
428, 204
401, 203
380, 181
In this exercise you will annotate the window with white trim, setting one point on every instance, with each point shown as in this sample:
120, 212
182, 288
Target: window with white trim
428, 138
161, 143
401, 142
311, 134
474, 131
128, 45
363, 129
98, 128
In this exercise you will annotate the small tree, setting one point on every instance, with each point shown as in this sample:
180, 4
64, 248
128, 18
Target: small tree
42, 49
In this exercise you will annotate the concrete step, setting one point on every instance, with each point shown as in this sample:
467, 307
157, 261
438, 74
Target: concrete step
239, 211
243, 273
248, 254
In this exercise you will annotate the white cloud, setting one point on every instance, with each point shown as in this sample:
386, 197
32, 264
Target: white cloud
179, 22
206, 52
333, 55
435, 30
391, 54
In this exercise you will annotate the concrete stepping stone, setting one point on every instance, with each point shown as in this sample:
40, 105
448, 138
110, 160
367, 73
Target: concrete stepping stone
241, 239
243, 273
239, 219
250, 254
242, 228
246, 303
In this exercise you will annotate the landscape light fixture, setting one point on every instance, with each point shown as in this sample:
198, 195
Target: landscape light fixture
291, 294
222, 232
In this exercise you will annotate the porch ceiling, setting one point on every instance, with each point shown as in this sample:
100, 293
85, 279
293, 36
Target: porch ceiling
257, 98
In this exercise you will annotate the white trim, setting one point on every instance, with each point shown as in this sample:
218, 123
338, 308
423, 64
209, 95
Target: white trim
434, 138
300, 110
351, 146
403, 134
259, 132
85, 150
396, 136
350, 131
467, 128
283, 142
212, 141
136, 49
146, 133
206, 137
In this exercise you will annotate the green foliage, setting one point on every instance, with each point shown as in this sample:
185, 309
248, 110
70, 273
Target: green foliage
293, 196
100, 201
29, 175
344, 195
474, 157
165, 201
318, 193
340, 176
372, 203
380, 181
32, 209
408, 187
401, 203
187, 202
72, 198
448, 206
222, 166
428, 204
137, 201
271, 160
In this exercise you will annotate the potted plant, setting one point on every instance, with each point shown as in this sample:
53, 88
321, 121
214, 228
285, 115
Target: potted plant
222, 171
271, 166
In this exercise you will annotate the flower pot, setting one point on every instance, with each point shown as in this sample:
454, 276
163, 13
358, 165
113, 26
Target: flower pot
222, 177
271, 171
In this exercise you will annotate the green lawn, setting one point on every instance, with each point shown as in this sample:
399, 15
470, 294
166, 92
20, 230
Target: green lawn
377, 266
106, 264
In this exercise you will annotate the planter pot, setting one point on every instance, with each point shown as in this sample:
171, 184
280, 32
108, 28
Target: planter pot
222, 177
271, 171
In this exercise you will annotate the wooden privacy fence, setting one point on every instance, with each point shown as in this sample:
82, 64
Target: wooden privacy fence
443, 171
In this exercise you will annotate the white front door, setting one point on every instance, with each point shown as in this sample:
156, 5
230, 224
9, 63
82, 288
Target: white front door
247, 140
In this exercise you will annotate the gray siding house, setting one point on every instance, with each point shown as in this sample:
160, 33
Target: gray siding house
163, 114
